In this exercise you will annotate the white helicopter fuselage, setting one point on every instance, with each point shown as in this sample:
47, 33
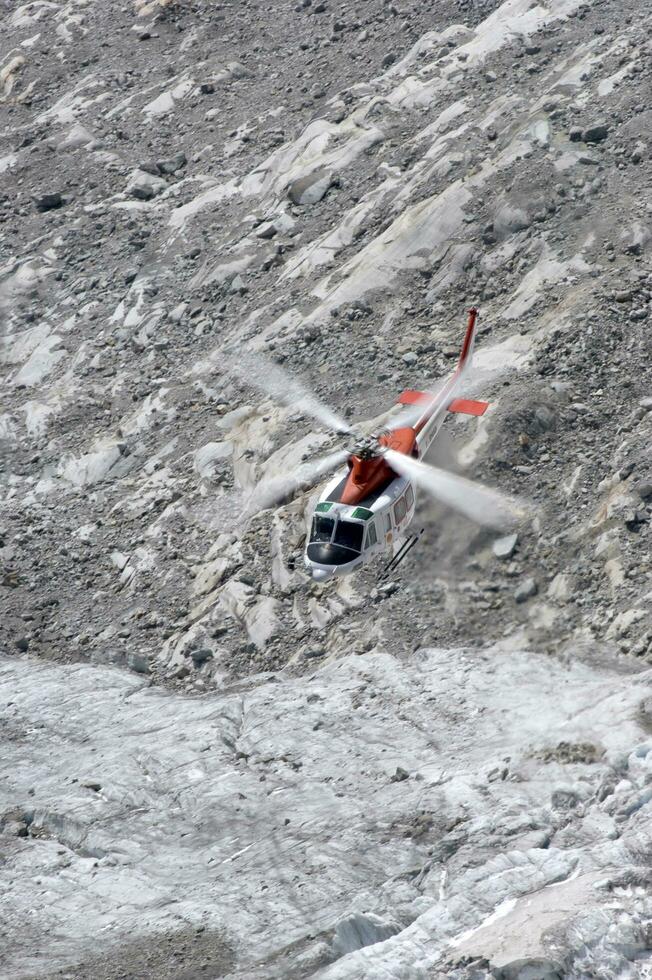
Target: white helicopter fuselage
345, 536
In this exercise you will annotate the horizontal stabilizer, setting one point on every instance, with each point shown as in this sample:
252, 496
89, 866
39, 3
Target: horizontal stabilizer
414, 397
466, 406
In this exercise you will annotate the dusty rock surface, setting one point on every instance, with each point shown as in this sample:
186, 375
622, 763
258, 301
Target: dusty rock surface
330, 186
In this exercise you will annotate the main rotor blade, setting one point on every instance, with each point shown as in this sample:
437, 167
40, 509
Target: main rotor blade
479, 503
279, 489
270, 378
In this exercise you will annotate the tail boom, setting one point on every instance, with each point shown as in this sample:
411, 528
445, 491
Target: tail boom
429, 423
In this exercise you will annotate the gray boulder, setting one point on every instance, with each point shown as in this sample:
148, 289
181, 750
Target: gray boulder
595, 133
313, 188
526, 590
504, 547
144, 186
172, 164
48, 202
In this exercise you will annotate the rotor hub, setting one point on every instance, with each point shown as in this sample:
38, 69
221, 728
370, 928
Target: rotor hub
367, 448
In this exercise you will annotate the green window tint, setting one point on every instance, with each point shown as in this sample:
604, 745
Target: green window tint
323, 507
362, 514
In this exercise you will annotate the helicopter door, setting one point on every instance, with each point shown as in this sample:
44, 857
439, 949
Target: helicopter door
400, 511
409, 498
371, 535
387, 518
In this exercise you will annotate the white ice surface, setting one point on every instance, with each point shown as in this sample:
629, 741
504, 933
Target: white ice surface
270, 810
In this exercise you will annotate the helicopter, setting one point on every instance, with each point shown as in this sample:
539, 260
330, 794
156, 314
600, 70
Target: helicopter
366, 508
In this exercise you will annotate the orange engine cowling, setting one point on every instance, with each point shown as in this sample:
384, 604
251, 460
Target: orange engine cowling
368, 475
401, 440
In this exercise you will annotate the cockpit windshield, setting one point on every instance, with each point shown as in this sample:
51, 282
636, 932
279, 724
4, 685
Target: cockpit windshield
349, 535
322, 528
334, 542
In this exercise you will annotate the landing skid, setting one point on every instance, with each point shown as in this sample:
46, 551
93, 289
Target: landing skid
402, 553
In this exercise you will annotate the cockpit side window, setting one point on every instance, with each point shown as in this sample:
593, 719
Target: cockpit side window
322, 528
349, 535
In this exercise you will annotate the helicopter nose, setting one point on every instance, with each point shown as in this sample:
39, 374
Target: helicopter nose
321, 574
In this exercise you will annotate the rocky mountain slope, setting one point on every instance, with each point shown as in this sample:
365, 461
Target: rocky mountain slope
441, 774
